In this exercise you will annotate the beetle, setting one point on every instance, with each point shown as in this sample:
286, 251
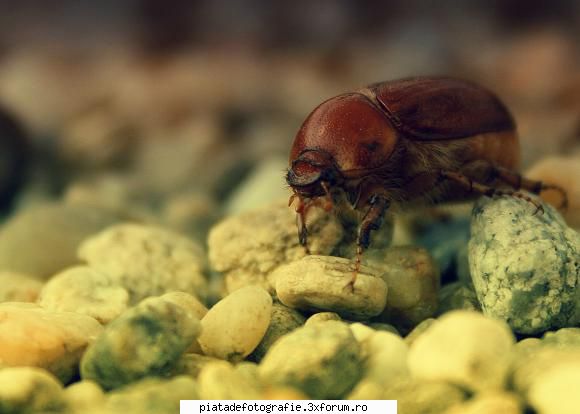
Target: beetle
405, 142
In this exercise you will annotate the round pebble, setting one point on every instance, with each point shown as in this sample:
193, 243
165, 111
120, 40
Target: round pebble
555, 391
235, 325
35, 337
464, 348
321, 283
84, 395
84, 290
147, 260
146, 340
323, 317
323, 360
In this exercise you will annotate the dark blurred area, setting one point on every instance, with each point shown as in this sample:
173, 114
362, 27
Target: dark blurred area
166, 96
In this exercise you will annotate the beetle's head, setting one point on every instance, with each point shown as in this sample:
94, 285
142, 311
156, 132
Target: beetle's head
312, 173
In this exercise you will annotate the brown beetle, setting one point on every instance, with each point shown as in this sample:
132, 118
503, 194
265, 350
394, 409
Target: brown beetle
405, 141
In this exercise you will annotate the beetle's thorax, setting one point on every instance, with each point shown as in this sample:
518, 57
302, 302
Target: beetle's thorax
351, 129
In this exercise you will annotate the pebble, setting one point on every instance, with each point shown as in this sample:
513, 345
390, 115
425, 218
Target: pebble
152, 396
564, 172
84, 290
18, 287
147, 260
35, 337
555, 391
525, 267
282, 321
323, 317
416, 396
493, 402
191, 364
221, 381
146, 340
464, 348
321, 283
30, 390
42, 240
457, 296
413, 280
248, 247
83, 396
235, 325
323, 360
265, 184
386, 359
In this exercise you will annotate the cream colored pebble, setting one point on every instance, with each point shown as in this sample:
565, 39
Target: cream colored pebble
221, 381
82, 289
84, 395
235, 325
322, 283
323, 317
387, 358
35, 337
556, 391
464, 348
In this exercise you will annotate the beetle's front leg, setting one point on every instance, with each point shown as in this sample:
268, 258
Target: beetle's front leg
372, 220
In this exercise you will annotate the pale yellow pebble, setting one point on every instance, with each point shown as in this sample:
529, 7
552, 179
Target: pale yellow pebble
386, 360
191, 304
321, 283
556, 391
367, 389
35, 337
323, 317
221, 381
84, 395
416, 396
235, 325
464, 348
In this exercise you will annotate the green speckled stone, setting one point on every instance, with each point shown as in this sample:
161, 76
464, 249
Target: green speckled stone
322, 359
525, 267
146, 340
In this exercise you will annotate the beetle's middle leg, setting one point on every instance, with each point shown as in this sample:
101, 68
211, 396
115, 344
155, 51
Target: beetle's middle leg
476, 187
372, 220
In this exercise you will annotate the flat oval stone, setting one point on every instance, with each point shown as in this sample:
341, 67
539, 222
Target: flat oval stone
321, 283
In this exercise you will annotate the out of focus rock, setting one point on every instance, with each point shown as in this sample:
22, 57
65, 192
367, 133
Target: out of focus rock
30, 390
17, 287
323, 360
14, 160
263, 186
464, 348
87, 291
147, 260
42, 240
146, 340
457, 296
34, 337
525, 268
419, 396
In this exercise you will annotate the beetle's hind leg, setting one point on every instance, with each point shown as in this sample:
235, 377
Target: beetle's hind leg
476, 187
517, 181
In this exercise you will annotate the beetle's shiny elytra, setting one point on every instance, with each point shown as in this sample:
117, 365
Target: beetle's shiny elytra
405, 141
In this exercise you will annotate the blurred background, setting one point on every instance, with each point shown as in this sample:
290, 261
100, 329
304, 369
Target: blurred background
174, 104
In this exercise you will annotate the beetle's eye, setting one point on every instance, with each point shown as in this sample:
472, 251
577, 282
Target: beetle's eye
303, 173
